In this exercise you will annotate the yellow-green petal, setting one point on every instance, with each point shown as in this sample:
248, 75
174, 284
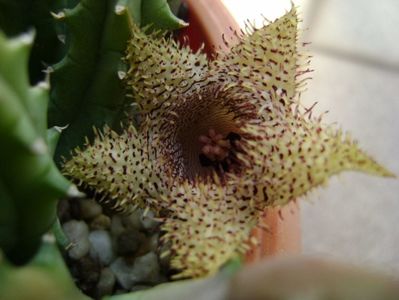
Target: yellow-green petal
266, 62
289, 159
117, 168
207, 226
161, 70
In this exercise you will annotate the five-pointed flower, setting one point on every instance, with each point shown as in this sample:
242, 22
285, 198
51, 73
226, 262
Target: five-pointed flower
218, 142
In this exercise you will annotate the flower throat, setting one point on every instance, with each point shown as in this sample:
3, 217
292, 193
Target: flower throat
219, 151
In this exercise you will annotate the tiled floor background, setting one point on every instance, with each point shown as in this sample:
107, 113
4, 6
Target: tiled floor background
355, 45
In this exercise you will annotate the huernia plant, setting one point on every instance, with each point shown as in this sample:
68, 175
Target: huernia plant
30, 182
218, 142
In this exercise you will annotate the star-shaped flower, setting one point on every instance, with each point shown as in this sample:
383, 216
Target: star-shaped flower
218, 142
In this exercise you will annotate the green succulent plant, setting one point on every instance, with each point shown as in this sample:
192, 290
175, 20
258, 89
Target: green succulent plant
96, 96
30, 181
45, 277
64, 70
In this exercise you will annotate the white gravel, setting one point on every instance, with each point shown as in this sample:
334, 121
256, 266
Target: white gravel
78, 234
101, 246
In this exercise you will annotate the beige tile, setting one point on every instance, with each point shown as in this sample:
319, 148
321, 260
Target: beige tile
365, 27
257, 10
355, 217
363, 100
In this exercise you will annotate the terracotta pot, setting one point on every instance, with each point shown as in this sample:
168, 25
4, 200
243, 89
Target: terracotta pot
209, 19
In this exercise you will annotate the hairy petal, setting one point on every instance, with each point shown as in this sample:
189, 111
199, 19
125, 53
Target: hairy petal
118, 168
265, 63
290, 159
161, 70
207, 226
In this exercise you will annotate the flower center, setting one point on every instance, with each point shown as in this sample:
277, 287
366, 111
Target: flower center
207, 143
218, 150
201, 133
